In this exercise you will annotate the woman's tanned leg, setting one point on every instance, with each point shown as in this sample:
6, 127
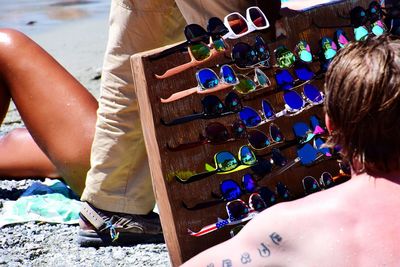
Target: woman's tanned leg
20, 157
57, 110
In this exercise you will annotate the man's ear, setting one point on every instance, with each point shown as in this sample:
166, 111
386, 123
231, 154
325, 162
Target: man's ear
329, 124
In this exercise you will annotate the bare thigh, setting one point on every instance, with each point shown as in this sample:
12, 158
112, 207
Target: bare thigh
57, 110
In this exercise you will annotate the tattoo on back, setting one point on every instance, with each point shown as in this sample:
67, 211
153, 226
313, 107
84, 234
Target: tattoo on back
245, 259
227, 263
264, 250
276, 238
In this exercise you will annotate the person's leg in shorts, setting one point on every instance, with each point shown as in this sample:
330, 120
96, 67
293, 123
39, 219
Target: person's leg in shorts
118, 185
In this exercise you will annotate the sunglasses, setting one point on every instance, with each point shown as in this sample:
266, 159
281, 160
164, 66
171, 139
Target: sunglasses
376, 28
285, 58
311, 185
340, 38
207, 82
246, 56
247, 85
308, 154
303, 52
303, 132
239, 26
238, 211
259, 140
215, 29
286, 81
216, 133
358, 16
266, 162
213, 107
283, 191
195, 33
328, 48
231, 190
225, 162
294, 104
326, 180
199, 53
202, 46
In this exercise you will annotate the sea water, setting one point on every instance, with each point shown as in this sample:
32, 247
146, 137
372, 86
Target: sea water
32, 16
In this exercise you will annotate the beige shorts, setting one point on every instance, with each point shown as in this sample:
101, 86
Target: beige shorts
119, 178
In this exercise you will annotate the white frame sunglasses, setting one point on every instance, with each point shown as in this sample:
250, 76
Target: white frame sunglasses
248, 20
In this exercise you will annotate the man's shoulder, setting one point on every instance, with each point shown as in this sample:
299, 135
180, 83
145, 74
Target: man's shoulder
317, 212
291, 229
324, 203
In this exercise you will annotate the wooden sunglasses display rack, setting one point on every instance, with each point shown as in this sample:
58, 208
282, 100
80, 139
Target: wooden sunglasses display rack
164, 163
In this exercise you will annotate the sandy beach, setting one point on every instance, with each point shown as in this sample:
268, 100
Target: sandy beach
77, 40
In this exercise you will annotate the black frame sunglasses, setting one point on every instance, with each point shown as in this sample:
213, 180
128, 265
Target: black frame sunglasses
312, 185
283, 191
215, 133
212, 108
245, 56
195, 33
231, 190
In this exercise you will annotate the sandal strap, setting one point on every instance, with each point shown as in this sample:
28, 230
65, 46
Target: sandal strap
92, 216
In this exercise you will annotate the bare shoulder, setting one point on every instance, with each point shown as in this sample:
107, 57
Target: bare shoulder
346, 218
297, 216
275, 237
288, 231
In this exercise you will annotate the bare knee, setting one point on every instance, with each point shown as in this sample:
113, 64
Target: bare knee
9, 36
16, 136
10, 41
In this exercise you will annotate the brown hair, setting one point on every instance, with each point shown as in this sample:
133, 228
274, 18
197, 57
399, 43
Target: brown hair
362, 87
